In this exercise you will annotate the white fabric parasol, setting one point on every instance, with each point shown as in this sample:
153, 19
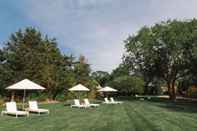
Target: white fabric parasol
25, 85
79, 88
107, 89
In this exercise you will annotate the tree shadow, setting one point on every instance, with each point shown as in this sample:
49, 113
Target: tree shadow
178, 105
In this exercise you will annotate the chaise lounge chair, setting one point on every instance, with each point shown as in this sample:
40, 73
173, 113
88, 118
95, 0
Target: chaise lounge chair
107, 101
86, 101
11, 109
33, 107
78, 105
115, 102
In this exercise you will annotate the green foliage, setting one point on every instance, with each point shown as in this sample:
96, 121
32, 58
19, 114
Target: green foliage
30, 55
92, 85
128, 84
121, 70
125, 81
101, 77
163, 51
82, 70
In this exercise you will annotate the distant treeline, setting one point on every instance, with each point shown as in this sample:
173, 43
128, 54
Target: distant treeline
29, 54
162, 55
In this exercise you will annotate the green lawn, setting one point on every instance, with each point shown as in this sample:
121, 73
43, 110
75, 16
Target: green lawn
130, 116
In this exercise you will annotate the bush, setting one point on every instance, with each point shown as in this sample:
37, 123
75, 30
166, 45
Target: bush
60, 97
38, 96
128, 84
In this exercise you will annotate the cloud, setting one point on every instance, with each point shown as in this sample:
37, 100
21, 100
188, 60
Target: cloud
97, 28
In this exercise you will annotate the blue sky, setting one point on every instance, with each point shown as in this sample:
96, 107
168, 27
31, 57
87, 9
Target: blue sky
94, 28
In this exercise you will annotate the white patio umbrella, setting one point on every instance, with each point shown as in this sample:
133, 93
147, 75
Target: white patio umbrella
25, 85
79, 88
107, 89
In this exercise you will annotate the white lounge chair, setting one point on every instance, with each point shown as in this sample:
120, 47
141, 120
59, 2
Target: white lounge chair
11, 109
115, 102
107, 101
78, 105
33, 107
86, 101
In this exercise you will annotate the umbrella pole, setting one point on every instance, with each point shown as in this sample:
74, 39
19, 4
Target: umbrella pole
79, 96
12, 95
24, 95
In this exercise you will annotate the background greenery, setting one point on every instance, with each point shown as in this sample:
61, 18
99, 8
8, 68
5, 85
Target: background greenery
164, 54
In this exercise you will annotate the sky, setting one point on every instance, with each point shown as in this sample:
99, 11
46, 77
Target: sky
94, 28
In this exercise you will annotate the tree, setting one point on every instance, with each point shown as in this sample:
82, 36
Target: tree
128, 85
121, 70
29, 54
163, 51
82, 70
101, 77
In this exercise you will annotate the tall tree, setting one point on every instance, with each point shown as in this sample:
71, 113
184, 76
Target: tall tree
163, 51
29, 54
82, 70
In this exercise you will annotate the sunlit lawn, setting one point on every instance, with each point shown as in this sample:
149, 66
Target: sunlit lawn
131, 116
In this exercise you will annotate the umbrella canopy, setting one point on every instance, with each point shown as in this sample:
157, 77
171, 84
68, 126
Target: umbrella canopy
79, 88
107, 89
25, 85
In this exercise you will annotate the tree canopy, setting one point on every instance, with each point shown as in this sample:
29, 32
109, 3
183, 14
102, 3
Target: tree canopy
165, 51
29, 54
101, 77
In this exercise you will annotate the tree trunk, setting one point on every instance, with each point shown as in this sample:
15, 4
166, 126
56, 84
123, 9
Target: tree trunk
172, 90
51, 95
54, 95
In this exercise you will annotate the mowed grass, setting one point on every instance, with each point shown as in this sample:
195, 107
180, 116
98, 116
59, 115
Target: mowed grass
133, 115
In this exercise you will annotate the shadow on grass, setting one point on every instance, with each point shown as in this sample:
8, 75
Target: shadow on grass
178, 106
